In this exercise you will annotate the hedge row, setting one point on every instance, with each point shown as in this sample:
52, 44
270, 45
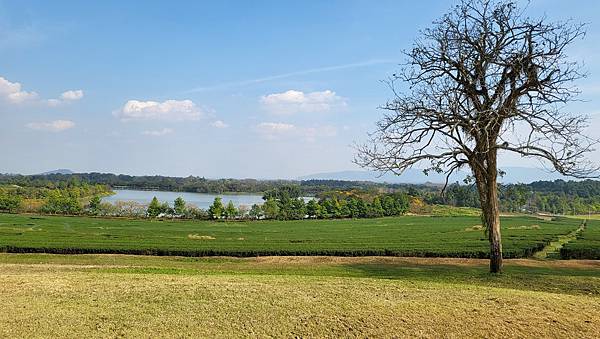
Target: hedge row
581, 252
587, 244
256, 253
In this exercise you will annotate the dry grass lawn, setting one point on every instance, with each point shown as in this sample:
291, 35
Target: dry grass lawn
131, 296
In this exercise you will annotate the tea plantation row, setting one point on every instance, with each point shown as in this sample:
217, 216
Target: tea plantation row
394, 236
587, 244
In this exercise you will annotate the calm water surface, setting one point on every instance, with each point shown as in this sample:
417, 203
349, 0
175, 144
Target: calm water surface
201, 200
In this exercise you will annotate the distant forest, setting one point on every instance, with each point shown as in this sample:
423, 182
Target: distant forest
190, 184
557, 197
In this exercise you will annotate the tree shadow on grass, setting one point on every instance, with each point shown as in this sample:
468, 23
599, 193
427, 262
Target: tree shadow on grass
540, 279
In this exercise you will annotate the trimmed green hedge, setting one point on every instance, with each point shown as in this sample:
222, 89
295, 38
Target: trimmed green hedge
587, 244
415, 236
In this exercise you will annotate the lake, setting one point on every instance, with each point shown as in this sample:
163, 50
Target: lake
201, 200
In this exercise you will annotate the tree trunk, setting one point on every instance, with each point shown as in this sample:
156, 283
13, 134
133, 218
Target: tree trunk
487, 185
492, 216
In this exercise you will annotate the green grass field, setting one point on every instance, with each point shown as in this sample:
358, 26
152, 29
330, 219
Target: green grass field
66, 296
117, 295
399, 236
587, 244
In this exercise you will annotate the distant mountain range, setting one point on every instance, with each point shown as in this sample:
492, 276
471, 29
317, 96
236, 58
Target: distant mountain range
58, 171
416, 176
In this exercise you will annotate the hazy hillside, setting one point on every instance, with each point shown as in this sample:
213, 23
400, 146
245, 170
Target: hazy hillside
58, 171
416, 176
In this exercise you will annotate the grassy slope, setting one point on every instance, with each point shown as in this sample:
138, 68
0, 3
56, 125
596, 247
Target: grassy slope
135, 296
406, 236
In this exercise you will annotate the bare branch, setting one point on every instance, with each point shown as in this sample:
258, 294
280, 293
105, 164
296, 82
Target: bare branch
485, 78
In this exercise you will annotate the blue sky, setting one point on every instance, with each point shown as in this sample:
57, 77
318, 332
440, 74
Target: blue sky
264, 89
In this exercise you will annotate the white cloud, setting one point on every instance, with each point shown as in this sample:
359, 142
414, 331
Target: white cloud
68, 96
171, 110
219, 124
293, 101
12, 92
277, 130
158, 133
52, 126
72, 95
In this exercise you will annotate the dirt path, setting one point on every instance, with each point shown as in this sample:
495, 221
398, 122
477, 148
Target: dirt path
124, 260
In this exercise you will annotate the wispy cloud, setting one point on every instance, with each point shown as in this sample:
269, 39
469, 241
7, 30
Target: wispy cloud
273, 130
292, 101
291, 74
170, 110
51, 126
158, 133
219, 124
279, 130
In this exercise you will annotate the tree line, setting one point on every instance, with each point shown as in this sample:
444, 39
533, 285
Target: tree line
335, 198
284, 203
189, 184
556, 197
68, 199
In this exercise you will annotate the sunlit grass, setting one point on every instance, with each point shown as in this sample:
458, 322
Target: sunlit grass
137, 296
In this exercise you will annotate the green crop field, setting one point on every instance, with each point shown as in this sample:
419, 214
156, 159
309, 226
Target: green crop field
395, 236
587, 244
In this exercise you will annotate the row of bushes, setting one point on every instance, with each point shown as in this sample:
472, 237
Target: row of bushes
278, 252
583, 251
587, 244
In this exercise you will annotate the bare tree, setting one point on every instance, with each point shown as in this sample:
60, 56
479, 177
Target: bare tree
484, 79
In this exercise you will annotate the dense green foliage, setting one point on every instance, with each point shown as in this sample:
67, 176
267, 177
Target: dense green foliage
62, 202
154, 208
556, 197
285, 203
393, 236
179, 206
95, 205
9, 202
216, 209
28, 188
64, 198
587, 245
